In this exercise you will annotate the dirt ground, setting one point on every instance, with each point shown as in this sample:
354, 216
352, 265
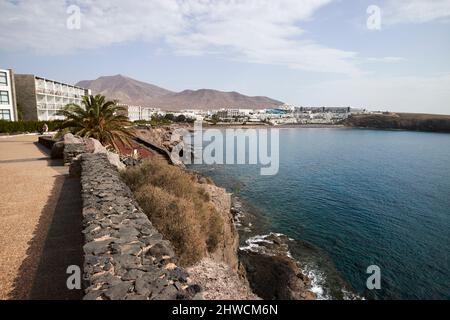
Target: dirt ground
30, 187
219, 282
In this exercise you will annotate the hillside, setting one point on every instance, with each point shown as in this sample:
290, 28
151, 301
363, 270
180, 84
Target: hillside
134, 92
124, 89
401, 121
213, 99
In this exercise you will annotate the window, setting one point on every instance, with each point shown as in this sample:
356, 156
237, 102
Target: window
4, 97
3, 79
5, 114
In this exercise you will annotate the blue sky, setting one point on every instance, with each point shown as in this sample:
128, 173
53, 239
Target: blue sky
310, 52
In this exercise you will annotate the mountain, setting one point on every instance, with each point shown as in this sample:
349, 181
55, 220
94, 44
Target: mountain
124, 89
213, 99
134, 92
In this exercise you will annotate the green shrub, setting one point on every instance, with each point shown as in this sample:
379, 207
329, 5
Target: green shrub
158, 120
178, 207
13, 127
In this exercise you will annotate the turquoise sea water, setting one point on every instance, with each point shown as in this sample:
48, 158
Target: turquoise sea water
353, 198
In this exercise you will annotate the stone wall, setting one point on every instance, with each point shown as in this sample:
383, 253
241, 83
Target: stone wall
125, 256
71, 151
46, 141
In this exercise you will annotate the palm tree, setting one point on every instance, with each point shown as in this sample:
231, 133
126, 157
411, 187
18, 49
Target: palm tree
99, 119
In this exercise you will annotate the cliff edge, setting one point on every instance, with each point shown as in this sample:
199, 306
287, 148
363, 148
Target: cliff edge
401, 121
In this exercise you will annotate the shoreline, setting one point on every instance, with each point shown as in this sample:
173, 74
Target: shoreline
257, 235
273, 254
272, 271
265, 262
271, 259
298, 126
283, 126
242, 180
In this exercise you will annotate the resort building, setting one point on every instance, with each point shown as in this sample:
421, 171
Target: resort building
8, 107
228, 113
197, 115
136, 113
39, 98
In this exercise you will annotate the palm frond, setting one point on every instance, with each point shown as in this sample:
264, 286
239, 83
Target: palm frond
99, 119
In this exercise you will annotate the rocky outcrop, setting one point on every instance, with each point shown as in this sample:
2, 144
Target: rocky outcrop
125, 256
71, 147
401, 121
165, 139
276, 277
271, 271
220, 274
69, 138
94, 146
228, 245
220, 282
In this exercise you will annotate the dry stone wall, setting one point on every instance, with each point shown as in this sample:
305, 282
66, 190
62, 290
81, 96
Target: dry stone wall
125, 256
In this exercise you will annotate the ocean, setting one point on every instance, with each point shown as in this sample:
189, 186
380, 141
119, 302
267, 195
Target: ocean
352, 198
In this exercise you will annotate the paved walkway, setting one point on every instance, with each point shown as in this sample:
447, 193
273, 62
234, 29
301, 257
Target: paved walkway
40, 222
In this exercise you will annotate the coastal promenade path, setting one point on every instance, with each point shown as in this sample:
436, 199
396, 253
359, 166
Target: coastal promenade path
40, 222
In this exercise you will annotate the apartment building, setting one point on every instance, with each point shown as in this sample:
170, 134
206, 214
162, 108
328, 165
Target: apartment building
135, 113
40, 98
228, 113
8, 107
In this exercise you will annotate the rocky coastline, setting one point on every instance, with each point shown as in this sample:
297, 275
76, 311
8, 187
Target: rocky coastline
275, 276
264, 268
400, 121
220, 274
271, 270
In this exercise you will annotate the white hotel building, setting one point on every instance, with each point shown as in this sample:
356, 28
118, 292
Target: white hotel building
8, 109
136, 113
40, 98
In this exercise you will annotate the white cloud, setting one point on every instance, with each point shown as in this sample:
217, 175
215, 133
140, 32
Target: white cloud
386, 59
257, 31
41, 24
261, 32
415, 11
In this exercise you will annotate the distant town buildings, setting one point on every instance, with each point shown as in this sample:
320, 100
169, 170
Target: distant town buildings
197, 115
231, 115
40, 98
8, 107
31, 97
286, 114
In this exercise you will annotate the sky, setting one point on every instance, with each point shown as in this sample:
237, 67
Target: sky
381, 55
